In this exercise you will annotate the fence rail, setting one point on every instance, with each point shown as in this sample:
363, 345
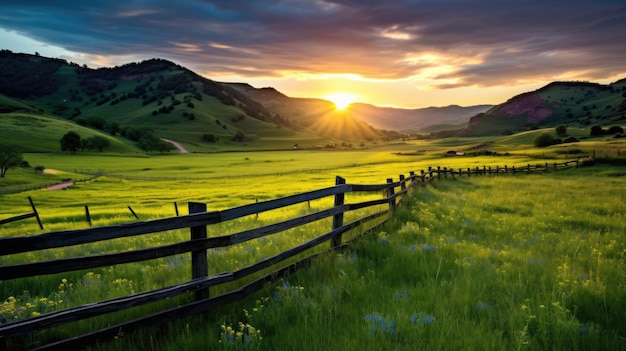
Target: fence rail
197, 221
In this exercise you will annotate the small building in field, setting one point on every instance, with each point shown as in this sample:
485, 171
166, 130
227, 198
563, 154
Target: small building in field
455, 153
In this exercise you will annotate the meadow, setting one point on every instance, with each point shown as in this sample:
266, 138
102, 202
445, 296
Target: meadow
482, 263
506, 262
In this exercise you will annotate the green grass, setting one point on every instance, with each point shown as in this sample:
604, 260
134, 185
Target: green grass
39, 133
516, 230
497, 263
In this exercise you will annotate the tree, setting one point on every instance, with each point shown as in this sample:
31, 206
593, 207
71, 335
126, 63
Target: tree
561, 130
149, 142
615, 130
164, 146
97, 142
596, 130
113, 128
10, 157
239, 136
544, 139
70, 142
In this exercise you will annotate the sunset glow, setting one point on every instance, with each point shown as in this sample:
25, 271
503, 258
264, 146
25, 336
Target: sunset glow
341, 100
382, 53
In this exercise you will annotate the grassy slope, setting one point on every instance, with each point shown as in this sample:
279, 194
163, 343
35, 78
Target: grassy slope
40, 133
472, 264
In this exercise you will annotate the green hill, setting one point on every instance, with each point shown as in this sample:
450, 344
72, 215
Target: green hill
164, 98
575, 104
39, 133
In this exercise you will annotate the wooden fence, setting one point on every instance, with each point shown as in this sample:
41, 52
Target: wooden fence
25, 216
197, 221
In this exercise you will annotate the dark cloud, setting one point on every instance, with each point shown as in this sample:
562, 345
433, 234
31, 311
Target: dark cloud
480, 42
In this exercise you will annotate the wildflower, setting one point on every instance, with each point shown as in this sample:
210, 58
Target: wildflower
401, 296
422, 318
428, 248
379, 323
483, 305
584, 330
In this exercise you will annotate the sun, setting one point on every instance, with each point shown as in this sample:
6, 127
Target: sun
341, 100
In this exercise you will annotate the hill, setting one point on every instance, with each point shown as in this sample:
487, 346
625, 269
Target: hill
575, 104
168, 100
416, 120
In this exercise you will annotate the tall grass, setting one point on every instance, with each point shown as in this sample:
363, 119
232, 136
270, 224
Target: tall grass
499, 263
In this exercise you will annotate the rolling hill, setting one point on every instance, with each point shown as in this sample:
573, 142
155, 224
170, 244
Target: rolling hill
575, 104
168, 100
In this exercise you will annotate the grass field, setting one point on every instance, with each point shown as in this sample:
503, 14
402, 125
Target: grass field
466, 264
482, 263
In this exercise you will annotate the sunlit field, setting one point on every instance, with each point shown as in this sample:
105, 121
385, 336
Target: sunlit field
488, 262
528, 262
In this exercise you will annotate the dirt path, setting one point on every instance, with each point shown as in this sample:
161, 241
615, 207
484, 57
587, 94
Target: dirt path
177, 145
60, 185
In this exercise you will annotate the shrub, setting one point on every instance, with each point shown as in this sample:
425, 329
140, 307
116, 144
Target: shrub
239, 137
596, 130
570, 139
211, 138
544, 139
561, 130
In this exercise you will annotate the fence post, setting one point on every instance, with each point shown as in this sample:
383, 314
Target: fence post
390, 193
469, 171
430, 172
505, 169
199, 265
529, 168
402, 183
338, 218
423, 177
438, 172
35, 212
412, 176
87, 214
176, 208
133, 212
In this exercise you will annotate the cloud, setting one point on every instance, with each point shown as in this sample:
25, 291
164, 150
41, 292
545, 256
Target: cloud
450, 43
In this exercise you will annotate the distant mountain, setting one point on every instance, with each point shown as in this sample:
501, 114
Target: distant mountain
318, 115
577, 104
169, 100
416, 120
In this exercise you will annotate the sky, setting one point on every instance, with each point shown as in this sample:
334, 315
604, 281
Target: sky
409, 54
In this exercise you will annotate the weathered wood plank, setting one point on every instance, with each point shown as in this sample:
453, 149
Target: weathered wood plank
371, 187
356, 206
52, 319
162, 317
16, 218
94, 261
243, 236
82, 236
269, 205
301, 248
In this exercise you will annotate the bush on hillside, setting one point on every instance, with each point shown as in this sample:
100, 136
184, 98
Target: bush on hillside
570, 139
544, 139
